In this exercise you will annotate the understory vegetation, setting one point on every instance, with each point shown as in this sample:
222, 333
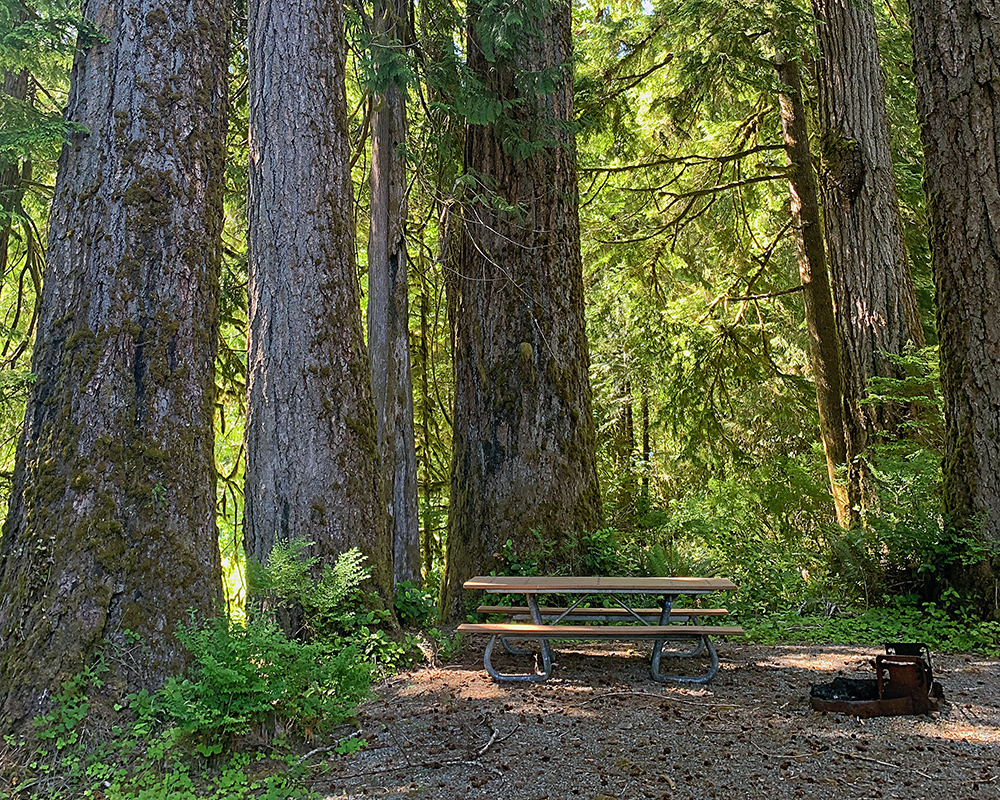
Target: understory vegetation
237, 723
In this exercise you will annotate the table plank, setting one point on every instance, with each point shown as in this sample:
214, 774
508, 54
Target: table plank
640, 632
503, 584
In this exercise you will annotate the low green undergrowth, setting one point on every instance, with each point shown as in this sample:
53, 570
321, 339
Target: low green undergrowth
905, 620
254, 697
230, 727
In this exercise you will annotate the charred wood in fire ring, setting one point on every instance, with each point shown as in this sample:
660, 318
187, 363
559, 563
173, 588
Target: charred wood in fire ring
903, 684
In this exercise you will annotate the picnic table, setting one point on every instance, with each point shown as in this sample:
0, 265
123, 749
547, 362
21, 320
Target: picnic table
544, 623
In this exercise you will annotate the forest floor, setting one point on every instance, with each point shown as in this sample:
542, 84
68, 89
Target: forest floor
602, 729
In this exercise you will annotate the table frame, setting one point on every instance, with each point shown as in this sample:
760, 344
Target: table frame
668, 590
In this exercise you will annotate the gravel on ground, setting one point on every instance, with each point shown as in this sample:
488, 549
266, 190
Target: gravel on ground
602, 729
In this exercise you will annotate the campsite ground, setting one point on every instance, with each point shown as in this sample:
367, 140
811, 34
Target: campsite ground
601, 729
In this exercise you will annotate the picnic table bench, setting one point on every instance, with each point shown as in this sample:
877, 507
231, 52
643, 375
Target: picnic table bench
658, 625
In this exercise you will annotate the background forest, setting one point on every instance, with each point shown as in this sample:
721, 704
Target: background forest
707, 429
766, 400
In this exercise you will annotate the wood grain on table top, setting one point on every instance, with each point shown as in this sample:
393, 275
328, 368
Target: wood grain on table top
500, 584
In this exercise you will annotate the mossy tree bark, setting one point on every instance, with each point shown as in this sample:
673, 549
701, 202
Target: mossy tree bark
523, 455
313, 470
388, 290
957, 66
824, 351
111, 527
872, 288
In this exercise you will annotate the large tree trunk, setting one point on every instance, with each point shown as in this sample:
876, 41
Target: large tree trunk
111, 529
388, 294
523, 456
824, 354
957, 64
876, 306
313, 469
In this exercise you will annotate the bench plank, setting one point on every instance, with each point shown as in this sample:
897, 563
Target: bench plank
552, 611
644, 632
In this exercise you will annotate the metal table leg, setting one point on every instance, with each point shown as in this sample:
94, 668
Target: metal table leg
536, 616
706, 642
534, 677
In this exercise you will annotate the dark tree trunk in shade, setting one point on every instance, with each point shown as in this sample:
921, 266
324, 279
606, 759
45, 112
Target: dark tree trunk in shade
624, 434
427, 549
523, 456
647, 455
313, 470
957, 65
111, 527
15, 85
824, 355
388, 296
872, 287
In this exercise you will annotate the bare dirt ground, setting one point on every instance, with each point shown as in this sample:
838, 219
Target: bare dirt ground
602, 729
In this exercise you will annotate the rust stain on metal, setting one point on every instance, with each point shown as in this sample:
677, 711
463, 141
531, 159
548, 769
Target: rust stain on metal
903, 684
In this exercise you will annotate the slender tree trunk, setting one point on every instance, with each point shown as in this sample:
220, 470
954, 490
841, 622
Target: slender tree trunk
388, 294
647, 455
824, 354
876, 306
427, 548
313, 470
957, 64
111, 528
625, 458
523, 455
15, 86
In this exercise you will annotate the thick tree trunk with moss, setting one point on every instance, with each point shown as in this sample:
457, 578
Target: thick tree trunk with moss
388, 292
313, 469
957, 66
111, 528
876, 306
824, 353
523, 456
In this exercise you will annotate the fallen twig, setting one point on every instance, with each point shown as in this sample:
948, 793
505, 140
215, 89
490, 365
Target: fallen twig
887, 764
395, 739
423, 764
670, 697
512, 731
778, 755
328, 748
493, 738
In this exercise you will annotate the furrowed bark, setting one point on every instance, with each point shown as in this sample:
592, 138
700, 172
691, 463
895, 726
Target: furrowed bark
111, 527
313, 469
523, 458
877, 313
957, 67
388, 297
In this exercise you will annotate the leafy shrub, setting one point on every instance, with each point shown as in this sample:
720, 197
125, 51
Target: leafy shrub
414, 605
329, 601
252, 675
335, 609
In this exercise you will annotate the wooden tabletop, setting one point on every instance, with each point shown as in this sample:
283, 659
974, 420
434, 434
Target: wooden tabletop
596, 585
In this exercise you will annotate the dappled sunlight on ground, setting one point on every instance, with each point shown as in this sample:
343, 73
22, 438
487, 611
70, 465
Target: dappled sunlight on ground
602, 728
